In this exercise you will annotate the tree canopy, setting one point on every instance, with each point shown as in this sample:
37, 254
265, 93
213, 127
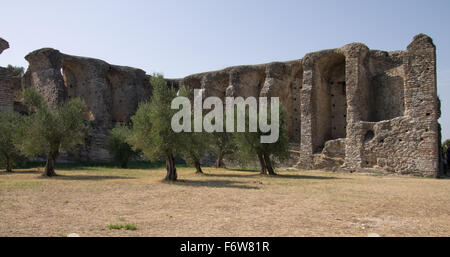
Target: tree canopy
51, 131
250, 147
10, 123
152, 132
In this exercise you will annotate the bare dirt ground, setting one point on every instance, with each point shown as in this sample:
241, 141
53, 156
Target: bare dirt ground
221, 203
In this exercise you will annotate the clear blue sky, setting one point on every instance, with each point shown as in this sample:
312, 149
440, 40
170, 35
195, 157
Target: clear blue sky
178, 38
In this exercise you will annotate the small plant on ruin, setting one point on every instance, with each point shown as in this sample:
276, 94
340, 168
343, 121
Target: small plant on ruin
10, 155
51, 131
16, 71
152, 131
118, 146
250, 147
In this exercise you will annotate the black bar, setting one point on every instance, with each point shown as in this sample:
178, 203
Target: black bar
236, 246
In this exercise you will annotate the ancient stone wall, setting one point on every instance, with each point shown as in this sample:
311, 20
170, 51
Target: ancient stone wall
111, 93
9, 84
348, 108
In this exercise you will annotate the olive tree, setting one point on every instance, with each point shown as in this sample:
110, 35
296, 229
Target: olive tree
10, 123
152, 132
221, 144
250, 147
51, 131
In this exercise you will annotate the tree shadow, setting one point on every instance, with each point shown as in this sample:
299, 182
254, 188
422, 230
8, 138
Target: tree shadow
258, 174
292, 176
213, 184
133, 165
86, 177
244, 169
19, 172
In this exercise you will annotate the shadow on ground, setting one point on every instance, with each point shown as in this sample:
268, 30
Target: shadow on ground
86, 177
134, 165
214, 184
285, 176
19, 172
292, 176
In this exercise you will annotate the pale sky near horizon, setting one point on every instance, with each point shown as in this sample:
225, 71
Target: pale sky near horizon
179, 38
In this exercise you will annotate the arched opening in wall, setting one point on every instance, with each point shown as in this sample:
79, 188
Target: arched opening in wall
329, 100
70, 81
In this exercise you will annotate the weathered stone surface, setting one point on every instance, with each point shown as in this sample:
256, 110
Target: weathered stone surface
44, 73
348, 108
3, 45
10, 84
111, 92
340, 100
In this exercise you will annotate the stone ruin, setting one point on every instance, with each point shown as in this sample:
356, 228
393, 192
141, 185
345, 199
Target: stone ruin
349, 108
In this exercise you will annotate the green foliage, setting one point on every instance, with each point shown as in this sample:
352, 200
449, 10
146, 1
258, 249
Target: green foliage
130, 227
118, 146
193, 146
48, 130
121, 226
445, 145
221, 144
250, 147
152, 131
17, 71
10, 123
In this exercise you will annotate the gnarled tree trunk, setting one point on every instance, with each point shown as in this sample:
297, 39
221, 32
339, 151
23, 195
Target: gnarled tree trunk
8, 164
219, 161
50, 165
170, 167
198, 167
262, 163
269, 166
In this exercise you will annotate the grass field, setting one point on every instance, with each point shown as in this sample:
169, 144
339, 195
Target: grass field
106, 201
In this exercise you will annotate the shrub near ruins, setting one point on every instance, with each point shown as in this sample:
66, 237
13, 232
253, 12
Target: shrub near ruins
118, 146
10, 123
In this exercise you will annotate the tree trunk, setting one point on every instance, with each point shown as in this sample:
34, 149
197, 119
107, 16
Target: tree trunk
198, 167
219, 161
170, 167
269, 165
263, 164
50, 165
124, 164
8, 165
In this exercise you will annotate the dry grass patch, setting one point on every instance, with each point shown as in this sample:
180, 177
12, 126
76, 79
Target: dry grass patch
221, 203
